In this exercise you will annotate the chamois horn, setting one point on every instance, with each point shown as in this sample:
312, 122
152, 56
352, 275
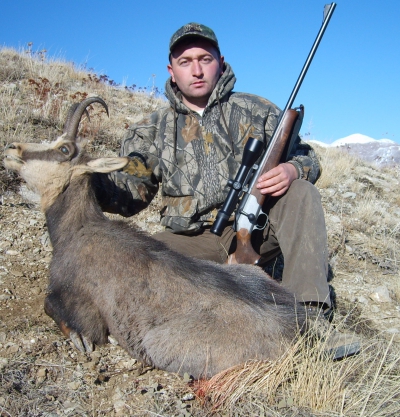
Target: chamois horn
75, 114
71, 112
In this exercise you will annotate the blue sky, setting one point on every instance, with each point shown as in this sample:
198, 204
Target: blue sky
353, 85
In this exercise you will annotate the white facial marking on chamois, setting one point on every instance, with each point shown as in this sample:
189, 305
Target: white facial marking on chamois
43, 175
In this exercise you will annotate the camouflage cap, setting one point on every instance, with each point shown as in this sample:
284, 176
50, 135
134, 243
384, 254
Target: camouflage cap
193, 29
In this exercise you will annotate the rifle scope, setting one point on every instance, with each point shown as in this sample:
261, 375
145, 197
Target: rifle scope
251, 153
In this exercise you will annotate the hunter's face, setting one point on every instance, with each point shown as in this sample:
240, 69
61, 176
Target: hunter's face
196, 68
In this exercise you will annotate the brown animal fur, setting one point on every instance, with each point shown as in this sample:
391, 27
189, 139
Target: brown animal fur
175, 313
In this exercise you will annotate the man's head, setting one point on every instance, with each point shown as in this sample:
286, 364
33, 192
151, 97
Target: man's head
195, 63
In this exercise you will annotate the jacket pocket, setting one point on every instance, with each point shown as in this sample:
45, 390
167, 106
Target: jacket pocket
180, 214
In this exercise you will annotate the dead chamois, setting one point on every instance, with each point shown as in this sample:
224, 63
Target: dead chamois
170, 311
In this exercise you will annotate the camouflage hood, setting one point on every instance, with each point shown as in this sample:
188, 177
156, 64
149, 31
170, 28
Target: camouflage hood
224, 86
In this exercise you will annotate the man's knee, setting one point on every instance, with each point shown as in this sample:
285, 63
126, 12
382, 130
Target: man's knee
303, 189
301, 197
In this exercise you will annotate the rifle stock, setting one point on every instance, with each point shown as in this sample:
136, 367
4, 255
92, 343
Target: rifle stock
277, 147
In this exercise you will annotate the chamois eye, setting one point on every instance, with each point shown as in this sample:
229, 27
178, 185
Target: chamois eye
64, 150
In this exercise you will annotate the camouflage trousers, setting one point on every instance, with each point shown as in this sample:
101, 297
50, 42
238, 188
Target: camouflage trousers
296, 228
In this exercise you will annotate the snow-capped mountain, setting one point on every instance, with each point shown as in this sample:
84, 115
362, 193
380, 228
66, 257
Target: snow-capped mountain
382, 152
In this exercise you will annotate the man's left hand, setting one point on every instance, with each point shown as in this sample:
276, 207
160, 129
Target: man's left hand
277, 181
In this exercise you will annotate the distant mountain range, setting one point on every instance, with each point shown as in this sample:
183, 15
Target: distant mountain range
382, 152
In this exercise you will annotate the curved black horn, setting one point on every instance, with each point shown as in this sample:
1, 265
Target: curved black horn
75, 114
71, 112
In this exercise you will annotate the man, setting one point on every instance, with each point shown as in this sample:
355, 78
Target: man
193, 145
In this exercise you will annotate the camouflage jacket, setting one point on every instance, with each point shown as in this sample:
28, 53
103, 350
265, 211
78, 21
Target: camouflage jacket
193, 156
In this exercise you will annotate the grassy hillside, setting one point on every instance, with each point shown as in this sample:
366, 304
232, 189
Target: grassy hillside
35, 94
41, 374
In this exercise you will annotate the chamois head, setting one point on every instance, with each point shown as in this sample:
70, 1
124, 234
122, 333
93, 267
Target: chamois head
49, 168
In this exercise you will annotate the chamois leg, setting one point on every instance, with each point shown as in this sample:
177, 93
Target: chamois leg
83, 341
82, 344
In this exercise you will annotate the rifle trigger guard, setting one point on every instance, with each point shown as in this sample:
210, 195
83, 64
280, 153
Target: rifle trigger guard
262, 226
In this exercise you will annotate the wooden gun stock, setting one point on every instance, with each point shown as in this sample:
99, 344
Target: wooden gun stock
276, 149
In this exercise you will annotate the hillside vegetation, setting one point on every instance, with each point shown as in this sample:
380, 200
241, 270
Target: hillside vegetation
41, 374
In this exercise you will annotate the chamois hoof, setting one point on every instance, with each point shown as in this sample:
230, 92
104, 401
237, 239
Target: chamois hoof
83, 344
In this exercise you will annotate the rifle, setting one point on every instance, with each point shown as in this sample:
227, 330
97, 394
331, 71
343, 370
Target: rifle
243, 187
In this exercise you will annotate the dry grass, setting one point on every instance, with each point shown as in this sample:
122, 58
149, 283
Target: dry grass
367, 202
336, 166
306, 381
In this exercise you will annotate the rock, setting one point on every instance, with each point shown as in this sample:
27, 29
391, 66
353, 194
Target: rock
119, 407
118, 395
381, 295
74, 385
362, 300
129, 364
335, 219
112, 340
13, 348
41, 375
29, 195
16, 273
71, 408
4, 244
3, 363
95, 356
12, 252
45, 241
393, 330
349, 249
90, 366
349, 195
41, 372
4, 297
36, 290
188, 397
11, 87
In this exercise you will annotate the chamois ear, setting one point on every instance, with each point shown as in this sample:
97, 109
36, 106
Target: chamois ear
106, 165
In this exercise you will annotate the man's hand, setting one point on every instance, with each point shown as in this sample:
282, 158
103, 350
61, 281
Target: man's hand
277, 181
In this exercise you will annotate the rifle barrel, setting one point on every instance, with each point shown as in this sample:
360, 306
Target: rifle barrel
310, 57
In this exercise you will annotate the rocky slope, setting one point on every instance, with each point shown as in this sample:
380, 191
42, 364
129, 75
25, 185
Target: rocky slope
43, 375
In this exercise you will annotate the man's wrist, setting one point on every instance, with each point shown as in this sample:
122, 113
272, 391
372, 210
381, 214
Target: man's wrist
299, 168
